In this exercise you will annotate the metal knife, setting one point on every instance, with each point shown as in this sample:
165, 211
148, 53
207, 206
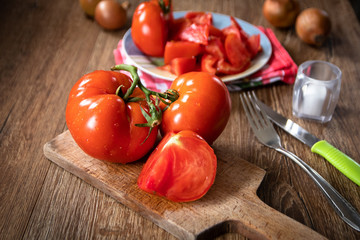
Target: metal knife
338, 159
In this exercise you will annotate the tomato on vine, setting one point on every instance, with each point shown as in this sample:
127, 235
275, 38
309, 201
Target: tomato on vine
112, 117
203, 106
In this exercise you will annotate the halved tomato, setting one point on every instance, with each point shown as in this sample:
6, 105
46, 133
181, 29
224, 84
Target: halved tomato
182, 168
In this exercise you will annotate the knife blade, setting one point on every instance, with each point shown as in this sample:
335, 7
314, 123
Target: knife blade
349, 167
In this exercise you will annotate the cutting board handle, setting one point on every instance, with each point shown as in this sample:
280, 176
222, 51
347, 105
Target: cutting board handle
264, 223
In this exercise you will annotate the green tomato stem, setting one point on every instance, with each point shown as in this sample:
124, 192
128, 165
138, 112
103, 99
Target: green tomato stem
171, 94
165, 9
133, 71
154, 115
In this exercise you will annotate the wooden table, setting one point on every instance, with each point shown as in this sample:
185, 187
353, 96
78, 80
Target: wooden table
46, 46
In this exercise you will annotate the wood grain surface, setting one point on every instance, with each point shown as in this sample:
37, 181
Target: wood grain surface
46, 46
231, 203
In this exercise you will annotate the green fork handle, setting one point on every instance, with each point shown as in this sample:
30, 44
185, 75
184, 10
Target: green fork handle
339, 160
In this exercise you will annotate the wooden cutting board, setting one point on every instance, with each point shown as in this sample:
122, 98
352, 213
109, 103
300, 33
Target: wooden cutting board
231, 205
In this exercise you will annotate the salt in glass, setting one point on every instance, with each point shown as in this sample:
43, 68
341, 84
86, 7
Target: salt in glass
316, 90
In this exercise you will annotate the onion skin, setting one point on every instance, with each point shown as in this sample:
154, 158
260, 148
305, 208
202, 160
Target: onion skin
313, 26
281, 13
110, 15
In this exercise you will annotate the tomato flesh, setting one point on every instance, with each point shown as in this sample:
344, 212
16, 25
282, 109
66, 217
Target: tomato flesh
213, 31
216, 48
176, 49
226, 51
200, 18
235, 28
253, 43
208, 63
182, 168
236, 51
195, 33
183, 65
224, 67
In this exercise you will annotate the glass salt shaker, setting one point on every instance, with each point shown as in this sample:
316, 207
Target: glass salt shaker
316, 90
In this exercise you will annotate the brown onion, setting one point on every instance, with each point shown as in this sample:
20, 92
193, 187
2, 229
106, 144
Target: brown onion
281, 13
313, 26
110, 14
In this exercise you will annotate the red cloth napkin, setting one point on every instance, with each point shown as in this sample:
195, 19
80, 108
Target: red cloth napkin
280, 67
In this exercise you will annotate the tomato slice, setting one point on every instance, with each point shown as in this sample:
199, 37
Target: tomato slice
230, 30
208, 63
176, 49
176, 26
235, 28
224, 67
232, 45
213, 31
236, 51
182, 168
182, 65
253, 43
234, 23
195, 33
199, 17
193, 26
216, 48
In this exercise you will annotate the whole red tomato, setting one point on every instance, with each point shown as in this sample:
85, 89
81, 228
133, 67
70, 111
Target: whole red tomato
103, 124
182, 168
203, 106
149, 29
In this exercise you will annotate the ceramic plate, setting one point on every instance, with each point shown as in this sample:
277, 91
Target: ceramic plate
149, 64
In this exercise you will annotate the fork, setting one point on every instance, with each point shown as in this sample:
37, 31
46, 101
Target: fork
266, 134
